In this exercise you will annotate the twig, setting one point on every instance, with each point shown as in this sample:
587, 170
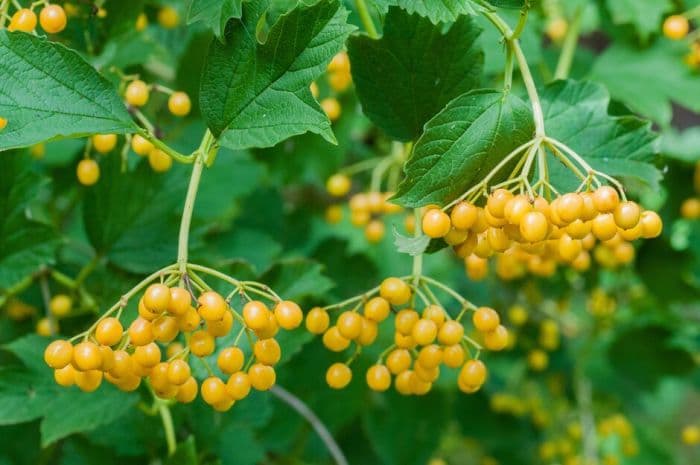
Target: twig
302, 409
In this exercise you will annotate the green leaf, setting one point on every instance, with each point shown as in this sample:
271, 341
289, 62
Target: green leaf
411, 245
648, 80
399, 421
29, 392
644, 15
437, 11
185, 453
514, 4
25, 244
681, 146
257, 94
644, 355
126, 216
48, 92
414, 70
576, 113
461, 144
62, 418
295, 279
214, 13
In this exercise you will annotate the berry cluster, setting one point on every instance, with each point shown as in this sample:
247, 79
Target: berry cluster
422, 341
338, 80
137, 95
126, 357
677, 27
530, 234
52, 18
367, 209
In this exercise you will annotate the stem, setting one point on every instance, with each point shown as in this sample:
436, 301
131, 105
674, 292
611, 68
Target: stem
366, 18
183, 238
87, 269
216, 274
168, 426
46, 297
302, 409
588, 428
4, 6
537, 114
513, 43
568, 50
417, 259
159, 144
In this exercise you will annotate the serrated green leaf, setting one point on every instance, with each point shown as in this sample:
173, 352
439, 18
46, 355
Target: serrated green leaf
257, 94
62, 418
48, 91
648, 80
25, 244
514, 4
413, 246
126, 216
404, 78
23, 395
644, 15
437, 11
461, 144
29, 392
576, 113
214, 13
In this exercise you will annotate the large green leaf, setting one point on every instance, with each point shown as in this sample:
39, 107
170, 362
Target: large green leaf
437, 11
414, 70
214, 13
127, 216
257, 94
576, 113
25, 244
29, 392
681, 145
461, 145
48, 91
644, 15
399, 421
648, 80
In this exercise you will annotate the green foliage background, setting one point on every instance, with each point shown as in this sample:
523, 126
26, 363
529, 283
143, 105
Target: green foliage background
259, 214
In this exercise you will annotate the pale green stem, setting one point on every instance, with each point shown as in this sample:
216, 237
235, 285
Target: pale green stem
569, 48
168, 426
366, 18
183, 238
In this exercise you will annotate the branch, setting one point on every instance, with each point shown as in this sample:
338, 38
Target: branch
302, 409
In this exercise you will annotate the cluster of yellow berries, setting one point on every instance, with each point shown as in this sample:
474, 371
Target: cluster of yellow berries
137, 94
339, 80
535, 235
690, 208
422, 341
366, 208
677, 27
126, 357
52, 19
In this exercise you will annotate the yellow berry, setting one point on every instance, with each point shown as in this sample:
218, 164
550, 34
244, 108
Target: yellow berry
53, 19
676, 27
88, 172
160, 161
137, 93
168, 17
338, 375
179, 104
